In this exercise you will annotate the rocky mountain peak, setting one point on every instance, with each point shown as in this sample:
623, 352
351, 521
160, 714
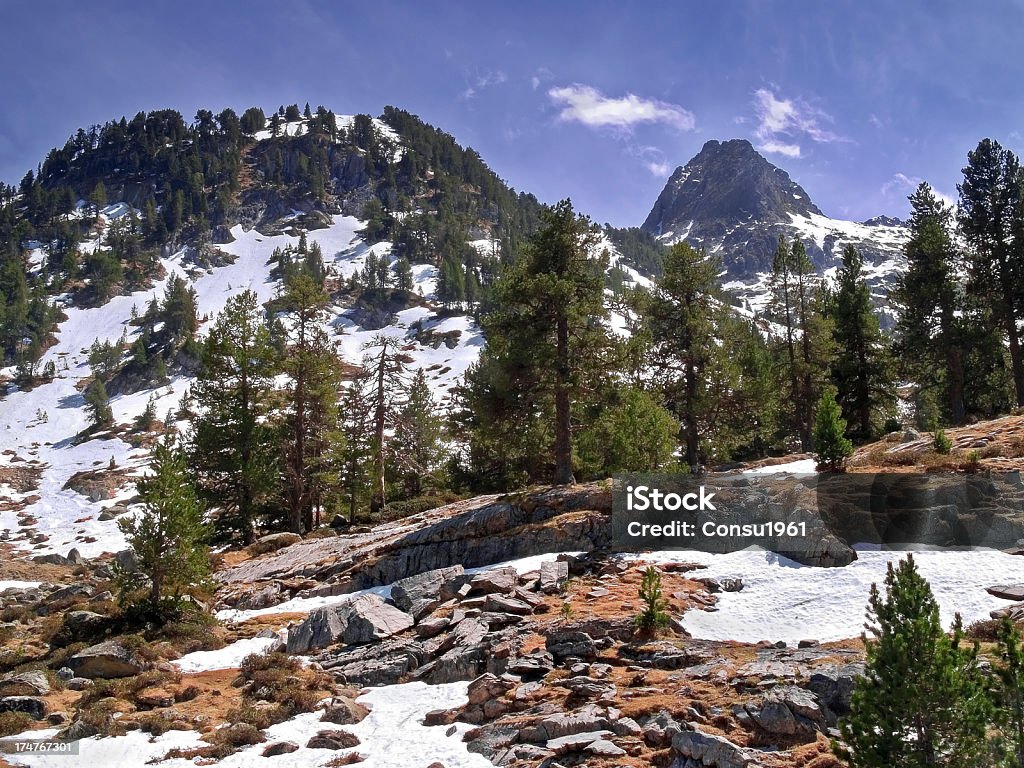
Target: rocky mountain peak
726, 182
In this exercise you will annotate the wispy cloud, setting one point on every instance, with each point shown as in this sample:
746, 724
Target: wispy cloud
587, 105
784, 123
902, 185
483, 80
653, 158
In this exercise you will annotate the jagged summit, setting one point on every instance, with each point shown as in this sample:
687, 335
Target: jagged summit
726, 182
734, 204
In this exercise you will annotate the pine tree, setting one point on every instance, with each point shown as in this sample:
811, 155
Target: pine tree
548, 330
921, 701
930, 332
830, 443
654, 615
232, 449
356, 445
168, 536
97, 402
418, 435
860, 370
991, 218
1009, 695
386, 367
683, 315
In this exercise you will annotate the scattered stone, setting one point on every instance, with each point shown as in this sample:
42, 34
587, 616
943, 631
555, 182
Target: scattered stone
75, 557
32, 683
1013, 592
501, 580
333, 740
709, 750
576, 742
419, 595
553, 575
280, 748
36, 708
363, 620
564, 643
501, 604
105, 660
344, 711
604, 748
127, 561
433, 626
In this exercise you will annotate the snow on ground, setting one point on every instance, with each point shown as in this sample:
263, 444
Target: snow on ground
523, 564
783, 600
18, 584
391, 736
228, 657
801, 467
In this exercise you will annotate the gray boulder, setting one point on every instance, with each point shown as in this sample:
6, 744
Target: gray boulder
502, 580
419, 595
105, 660
553, 575
32, 683
36, 708
365, 619
710, 750
323, 627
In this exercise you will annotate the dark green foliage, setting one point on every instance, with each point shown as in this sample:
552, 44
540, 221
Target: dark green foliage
1008, 695
941, 444
634, 433
167, 537
97, 402
640, 249
419, 450
232, 449
861, 368
831, 445
922, 701
654, 616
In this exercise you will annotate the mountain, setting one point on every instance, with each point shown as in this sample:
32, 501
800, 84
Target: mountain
732, 202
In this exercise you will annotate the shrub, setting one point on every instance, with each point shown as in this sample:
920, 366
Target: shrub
14, 722
941, 443
653, 617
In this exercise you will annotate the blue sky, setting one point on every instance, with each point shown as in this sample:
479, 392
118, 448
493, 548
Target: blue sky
597, 101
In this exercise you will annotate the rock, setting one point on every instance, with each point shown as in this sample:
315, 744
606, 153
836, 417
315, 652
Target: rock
344, 711
706, 749
1013, 592
604, 748
487, 687
273, 542
75, 557
53, 559
500, 580
554, 573
322, 628
833, 685
467, 632
56, 718
333, 740
419, 595
105, 660
78, 684
264, 597
502, 604
279, 748
72, 590
586, 687
715, 586
81, 625
788, 711
563, 643
433, 626
370, 619
32, 683
576, 742
127, 561
65, 674
36, 708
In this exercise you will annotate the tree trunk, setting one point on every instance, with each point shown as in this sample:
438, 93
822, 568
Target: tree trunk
377, 501
690, 435
563, 428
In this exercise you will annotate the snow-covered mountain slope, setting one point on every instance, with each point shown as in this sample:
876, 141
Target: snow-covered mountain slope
39, 426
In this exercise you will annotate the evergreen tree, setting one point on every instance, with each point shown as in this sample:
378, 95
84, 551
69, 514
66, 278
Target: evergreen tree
929, 333
547, 333
356, 444
683, 315
418, 435
921, 701
860, 369
98, 198
232, 449
403, 275
806, 343
1009, 695
991, 218
634, 433
386, 367
168, 536
97, 402
830, 443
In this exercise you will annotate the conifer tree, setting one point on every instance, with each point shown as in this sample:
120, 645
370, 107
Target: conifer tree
418, 434
683, 314
356, 444
168, 535
921, 701
860, 369
929, 333
97, 402
232, 449
831, 445
386, 367
1009, 695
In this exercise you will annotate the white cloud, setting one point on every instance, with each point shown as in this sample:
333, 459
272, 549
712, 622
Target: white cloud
535, 82
659, 169
784, 123
587, 105
901, 184
484, 80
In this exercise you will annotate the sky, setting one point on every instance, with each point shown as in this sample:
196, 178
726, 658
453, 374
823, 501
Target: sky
595, 101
